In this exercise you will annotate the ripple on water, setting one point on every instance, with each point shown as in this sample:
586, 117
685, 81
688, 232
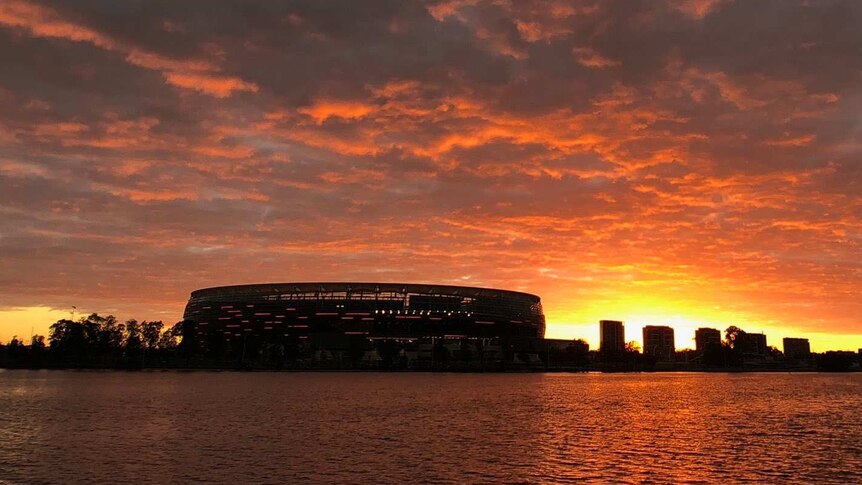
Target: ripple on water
67, 427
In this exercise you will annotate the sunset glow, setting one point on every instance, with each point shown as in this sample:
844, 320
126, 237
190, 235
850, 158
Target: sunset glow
685, 163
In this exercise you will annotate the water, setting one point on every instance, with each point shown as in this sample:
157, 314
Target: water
114, 427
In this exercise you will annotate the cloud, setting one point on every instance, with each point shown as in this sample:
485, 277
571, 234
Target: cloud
193, 74
588, 57
609, 156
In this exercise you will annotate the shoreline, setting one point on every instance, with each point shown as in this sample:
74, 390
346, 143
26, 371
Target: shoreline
429, 371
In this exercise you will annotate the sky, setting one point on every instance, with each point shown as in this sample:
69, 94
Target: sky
691, 163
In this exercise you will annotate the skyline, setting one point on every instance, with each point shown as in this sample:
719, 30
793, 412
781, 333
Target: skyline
633, 334
684, 163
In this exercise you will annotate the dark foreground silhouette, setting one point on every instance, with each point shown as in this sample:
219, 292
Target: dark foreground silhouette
97, 342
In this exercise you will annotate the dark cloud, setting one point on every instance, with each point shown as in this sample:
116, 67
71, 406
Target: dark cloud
704, 154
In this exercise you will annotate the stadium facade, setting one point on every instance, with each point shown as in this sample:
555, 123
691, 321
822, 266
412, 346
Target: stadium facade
372, 310
370, 326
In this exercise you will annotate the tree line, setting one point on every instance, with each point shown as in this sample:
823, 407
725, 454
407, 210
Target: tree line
96, 341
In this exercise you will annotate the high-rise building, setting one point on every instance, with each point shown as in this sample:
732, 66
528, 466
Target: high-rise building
612, 336
752, 343
796, 348
705, 338
658, 342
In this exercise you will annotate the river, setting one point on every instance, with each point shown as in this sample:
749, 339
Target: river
210, 427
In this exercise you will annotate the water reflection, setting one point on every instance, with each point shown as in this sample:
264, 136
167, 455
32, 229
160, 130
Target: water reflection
57, 427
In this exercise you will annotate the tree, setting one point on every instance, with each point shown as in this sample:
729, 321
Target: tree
733, 345
58, 333
732, 336
67, 340
187, 331
37, 342
102, 334
773, 352
92, 330
133, 336
169, 339
16, 350
37, 351
150, 333
110, 334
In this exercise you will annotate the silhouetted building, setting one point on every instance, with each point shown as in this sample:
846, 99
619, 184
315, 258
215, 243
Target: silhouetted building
613, 337
659, 342
327, 312
705, 338
796, 348
838, 361
752, 343
566, 353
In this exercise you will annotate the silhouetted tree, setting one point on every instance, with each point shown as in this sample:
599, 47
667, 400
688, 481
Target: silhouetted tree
37, 351
150, 333
773, 352
633, 357
91, 328
187, 331
132, 341
732, 336
67, 341
102, 336
169, 339
16, 351
37, 342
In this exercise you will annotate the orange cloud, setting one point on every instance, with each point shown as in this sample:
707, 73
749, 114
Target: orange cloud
325, 109
218, 86
796, 141
42, 22
464, 142
588, 57
698, 9
190, 74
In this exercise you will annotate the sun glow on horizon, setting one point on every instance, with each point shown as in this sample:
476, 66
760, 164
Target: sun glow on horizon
684, 318
24, 322
574, 153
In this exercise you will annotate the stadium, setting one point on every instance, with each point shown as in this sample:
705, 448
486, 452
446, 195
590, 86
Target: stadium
370, 326
372, 310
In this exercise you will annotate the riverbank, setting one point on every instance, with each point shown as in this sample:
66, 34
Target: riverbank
451, 369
